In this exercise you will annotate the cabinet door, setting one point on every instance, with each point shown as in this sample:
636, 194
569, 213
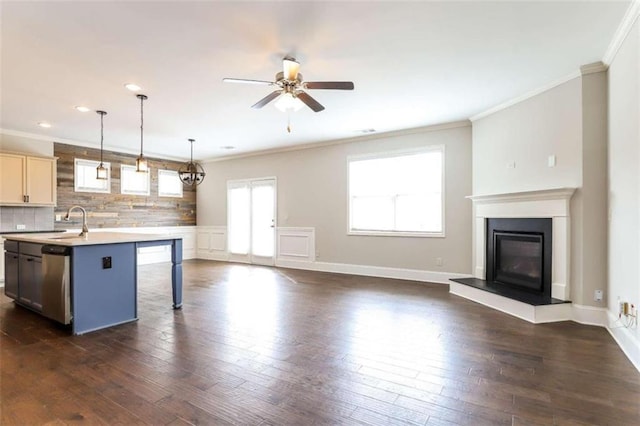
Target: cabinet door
11, 274
41, 180
12, 178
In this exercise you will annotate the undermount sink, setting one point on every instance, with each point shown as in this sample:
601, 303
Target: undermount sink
65, 237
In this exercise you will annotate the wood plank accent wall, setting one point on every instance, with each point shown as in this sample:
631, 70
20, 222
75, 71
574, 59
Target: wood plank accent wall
116, 209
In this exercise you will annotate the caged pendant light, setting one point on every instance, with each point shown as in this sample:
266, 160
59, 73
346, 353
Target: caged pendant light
101, 171
141, 163
191, 173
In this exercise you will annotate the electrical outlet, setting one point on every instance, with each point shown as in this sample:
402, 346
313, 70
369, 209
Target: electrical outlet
21, 227
438, 261
597, 296
551, 161
58, 218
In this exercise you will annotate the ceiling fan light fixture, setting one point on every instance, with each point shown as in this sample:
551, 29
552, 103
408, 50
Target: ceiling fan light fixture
191, 173
288, 103
290, 67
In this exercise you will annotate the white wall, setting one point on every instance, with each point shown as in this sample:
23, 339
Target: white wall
312, 192
624, 186
25, 145
526, 134
569, 122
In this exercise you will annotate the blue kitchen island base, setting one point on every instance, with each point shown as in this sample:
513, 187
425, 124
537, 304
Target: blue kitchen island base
101, 272
104, 283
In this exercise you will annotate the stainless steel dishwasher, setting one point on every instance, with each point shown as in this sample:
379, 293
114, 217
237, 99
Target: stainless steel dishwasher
56, 283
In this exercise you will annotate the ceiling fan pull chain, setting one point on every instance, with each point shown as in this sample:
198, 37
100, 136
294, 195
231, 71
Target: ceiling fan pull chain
289, 121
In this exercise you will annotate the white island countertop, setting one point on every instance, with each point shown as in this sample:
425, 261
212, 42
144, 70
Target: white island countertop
92, 238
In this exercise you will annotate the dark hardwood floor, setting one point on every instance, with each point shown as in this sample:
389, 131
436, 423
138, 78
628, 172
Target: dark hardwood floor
265, 346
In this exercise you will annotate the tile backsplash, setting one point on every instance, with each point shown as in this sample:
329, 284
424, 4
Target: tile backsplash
33, 218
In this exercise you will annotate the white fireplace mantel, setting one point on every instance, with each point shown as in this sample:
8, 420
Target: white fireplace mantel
547, 203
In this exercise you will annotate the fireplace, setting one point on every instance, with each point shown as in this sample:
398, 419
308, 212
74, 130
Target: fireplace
518, 254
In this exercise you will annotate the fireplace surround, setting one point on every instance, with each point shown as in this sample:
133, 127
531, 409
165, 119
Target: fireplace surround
553, 204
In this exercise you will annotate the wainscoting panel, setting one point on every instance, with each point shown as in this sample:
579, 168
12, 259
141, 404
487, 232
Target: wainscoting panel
296, 244
212, 243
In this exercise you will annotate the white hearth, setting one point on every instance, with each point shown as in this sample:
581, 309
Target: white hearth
549, 203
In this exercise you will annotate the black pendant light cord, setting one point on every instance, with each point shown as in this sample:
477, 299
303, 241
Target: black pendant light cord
141, 123
101, 134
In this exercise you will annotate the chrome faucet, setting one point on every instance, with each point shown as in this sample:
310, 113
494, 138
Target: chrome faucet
85, 228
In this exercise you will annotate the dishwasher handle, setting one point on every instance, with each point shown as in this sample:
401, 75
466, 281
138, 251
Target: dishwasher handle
56, 250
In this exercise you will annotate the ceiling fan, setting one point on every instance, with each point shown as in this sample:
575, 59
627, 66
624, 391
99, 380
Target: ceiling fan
291, 88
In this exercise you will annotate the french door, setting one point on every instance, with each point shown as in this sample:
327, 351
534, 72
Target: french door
251, 220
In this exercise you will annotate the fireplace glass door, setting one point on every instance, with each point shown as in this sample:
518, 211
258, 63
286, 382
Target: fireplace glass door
518, 259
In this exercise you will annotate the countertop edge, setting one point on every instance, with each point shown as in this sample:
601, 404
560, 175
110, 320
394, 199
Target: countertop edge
94, 238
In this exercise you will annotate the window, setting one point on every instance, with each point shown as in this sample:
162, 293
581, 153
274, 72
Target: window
169, 184
134, 183
397, 193
84, 176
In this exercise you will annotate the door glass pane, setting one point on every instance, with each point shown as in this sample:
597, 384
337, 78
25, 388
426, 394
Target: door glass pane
239, 219
262, 242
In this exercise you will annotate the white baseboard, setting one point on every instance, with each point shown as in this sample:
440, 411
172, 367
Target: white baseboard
626, 338
590, 315
372, 271
213, 255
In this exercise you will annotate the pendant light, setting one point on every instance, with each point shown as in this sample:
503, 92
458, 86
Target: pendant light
191, 173
101, 171
141, 163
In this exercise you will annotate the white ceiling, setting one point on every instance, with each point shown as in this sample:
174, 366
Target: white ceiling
413, 64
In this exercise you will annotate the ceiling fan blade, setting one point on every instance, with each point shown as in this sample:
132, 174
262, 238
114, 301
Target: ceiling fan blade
262, 102
290, 67
309, 101
336, 85
242, 80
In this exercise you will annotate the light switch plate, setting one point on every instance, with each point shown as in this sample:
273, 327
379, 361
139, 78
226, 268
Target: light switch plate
551, 161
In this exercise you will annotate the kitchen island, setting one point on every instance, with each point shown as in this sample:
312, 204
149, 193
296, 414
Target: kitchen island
100, 269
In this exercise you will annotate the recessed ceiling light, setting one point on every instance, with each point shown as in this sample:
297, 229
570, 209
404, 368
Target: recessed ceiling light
227, 147
44, 124
133, 87
82, 108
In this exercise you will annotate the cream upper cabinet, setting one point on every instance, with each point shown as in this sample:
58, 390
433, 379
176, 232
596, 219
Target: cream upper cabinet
26, 180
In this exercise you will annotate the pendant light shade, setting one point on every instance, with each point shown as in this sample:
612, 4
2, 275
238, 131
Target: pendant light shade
191, 173
141, 162
101, 171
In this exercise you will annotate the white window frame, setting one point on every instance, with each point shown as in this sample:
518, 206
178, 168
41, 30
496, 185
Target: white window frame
82, 162
124, 190
390, 154
164, 193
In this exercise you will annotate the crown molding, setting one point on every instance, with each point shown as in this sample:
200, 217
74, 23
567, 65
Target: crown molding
83, 144
525, 96
593, 68
629, 19
381, 135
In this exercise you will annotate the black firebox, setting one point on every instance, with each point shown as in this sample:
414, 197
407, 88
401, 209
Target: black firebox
518, 254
